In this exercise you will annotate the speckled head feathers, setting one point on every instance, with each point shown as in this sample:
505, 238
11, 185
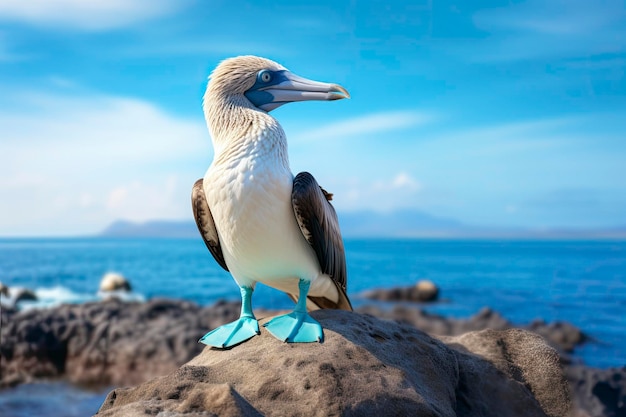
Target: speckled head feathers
236, 75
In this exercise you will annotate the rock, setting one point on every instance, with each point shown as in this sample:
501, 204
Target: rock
600, 392
423, 291
4, 290
112, 281
426, 290
22, 294
105, 343
560, 334
365, 367
521, 355
113, 342
440, 325
563, 336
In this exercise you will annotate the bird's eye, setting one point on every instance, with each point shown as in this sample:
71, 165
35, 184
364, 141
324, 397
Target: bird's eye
265, 76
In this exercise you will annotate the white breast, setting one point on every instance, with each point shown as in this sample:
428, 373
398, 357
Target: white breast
249, 194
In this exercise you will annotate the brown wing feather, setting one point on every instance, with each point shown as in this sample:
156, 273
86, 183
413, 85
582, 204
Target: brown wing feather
205, 223
319, 225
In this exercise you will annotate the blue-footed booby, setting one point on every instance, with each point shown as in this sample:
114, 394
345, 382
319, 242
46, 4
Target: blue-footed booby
260, 222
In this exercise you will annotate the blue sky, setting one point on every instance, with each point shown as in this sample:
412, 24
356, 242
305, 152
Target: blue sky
494, 113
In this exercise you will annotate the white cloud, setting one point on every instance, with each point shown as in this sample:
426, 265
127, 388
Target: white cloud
561, 29
117, 196
500, 140
209, 46
74, 164
468, 170
94, 131
367, 125
405, 181
139, 201
383, 194
565, 17
402, 182
86, 14
86, 200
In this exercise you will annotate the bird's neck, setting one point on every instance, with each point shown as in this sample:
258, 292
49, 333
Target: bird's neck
240, 130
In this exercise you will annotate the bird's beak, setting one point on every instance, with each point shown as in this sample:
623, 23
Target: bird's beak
294, 88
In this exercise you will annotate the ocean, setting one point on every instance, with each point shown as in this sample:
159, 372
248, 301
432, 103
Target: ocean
582, 282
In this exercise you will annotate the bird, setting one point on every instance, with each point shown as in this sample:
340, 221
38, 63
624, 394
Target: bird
259, 221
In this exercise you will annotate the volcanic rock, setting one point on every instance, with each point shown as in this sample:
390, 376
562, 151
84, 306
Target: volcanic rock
422, 291
598, 392
105, 343
22, 294
365, 367
112, 281
561, 335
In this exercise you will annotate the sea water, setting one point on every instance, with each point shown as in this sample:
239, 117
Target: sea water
582, 282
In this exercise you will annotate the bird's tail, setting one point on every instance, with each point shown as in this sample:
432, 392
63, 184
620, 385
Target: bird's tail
318, 303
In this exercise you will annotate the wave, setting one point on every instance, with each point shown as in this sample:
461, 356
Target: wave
47, 297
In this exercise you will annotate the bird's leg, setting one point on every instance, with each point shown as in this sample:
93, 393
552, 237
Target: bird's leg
297, 326
239, 330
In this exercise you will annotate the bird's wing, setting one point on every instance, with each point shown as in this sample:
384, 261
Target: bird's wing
205, 223
319, 225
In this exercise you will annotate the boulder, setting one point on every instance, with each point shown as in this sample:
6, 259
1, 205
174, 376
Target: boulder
564, 335
23, 294
422, 291
365, 367
561, 335
598, 392
522, 356
125, 343
426, 290
112, 281
105, 343
4, 290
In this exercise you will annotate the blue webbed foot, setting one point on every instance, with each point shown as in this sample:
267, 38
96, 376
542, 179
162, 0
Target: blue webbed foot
295, 327
238, 331
232, 334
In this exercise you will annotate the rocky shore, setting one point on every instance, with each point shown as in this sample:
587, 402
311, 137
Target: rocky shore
399, 359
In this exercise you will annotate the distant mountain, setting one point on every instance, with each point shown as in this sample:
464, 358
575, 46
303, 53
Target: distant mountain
402, 223
399, 223
154, 228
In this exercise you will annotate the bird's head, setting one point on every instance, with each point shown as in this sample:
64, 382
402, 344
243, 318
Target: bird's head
266, 84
